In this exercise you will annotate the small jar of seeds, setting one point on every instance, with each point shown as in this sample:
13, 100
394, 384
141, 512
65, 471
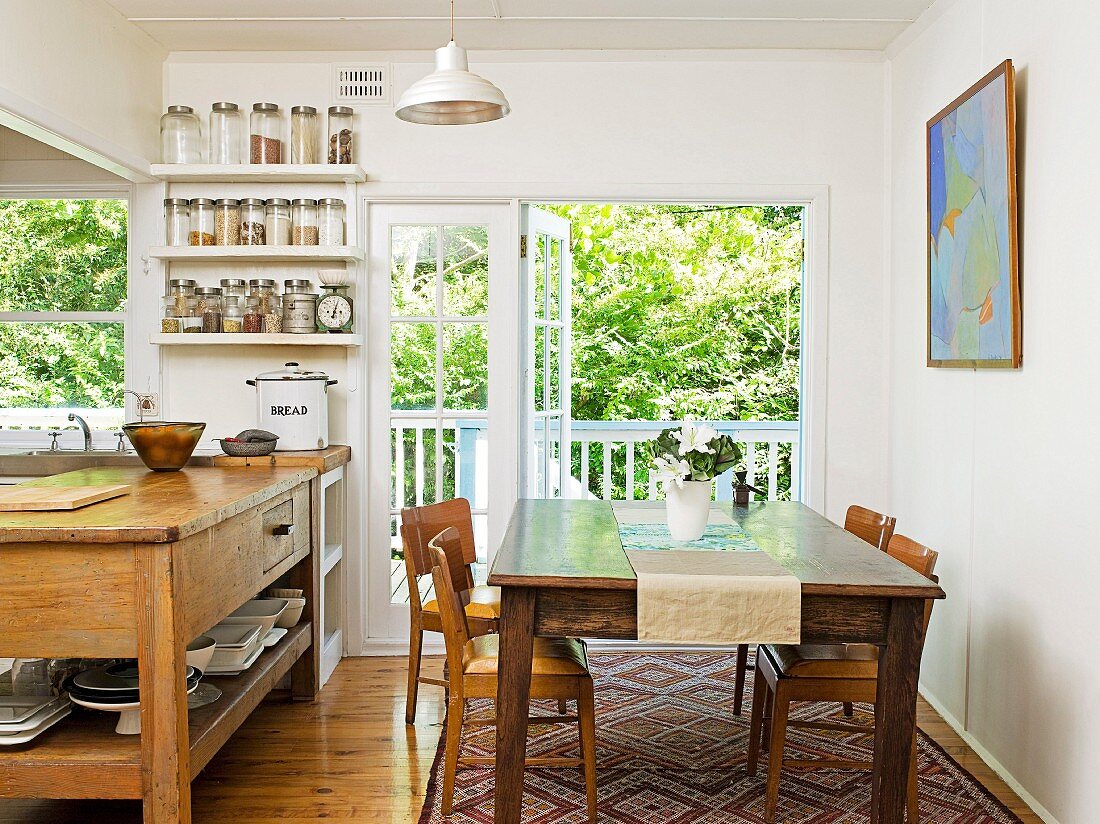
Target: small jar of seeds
227, 222
253, 230
232, 316
202, 222
180, 289
169, 321
190, 320
303, 216
234, 288
253, 320
209, 307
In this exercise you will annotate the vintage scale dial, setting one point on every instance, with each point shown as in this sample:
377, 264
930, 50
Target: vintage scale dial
334, 310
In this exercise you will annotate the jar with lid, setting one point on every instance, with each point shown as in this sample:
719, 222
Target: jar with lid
253, 229
265, 134
202, 222
170, 319
209, 307
303, 219
191, 319
180, 289
234, 288
177, 220
340, 134
253, 320
226, 128
305, 135
299, 308
233, 315
227, 222
330, 221
263, 289
180, 136
277, 221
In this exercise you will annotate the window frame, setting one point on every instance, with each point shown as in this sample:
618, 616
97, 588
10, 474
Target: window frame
85, 191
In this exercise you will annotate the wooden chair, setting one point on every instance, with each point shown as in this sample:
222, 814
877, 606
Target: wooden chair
418, 526
813, 672
873, 527
559, 670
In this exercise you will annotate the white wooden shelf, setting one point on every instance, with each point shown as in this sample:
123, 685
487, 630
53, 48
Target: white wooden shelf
259, 173
241, 254
261, 339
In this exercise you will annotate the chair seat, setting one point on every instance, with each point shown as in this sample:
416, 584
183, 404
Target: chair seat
551, 656
826, 661
484, 603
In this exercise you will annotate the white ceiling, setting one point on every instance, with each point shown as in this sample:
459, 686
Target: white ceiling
397, 25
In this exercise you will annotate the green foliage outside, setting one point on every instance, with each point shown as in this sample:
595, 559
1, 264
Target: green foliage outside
62, 256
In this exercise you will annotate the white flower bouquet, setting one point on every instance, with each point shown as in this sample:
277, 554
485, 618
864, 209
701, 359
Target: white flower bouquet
692, 452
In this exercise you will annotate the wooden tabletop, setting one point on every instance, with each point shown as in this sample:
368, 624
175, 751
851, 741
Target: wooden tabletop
575, 544
161, 507
323, 460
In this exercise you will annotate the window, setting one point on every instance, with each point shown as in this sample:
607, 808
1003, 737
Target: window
63, 287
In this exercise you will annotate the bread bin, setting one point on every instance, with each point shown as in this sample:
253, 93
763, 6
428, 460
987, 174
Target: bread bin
293, 403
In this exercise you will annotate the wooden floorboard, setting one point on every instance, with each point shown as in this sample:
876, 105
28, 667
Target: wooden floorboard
350, 757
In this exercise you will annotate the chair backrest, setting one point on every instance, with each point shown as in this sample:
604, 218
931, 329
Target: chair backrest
448, 566
873, 527
918, 558
428, 521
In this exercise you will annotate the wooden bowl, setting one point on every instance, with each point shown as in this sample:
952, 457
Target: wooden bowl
164, 446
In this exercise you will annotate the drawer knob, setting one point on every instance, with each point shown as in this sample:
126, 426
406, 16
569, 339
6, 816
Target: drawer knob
283, 529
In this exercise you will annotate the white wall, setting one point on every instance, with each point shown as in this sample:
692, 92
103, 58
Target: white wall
735, 119
25, 161
997, 469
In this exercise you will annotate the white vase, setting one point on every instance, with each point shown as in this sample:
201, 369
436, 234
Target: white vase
688, 508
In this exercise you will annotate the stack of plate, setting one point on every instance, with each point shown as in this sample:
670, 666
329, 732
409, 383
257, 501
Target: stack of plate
114, 688
237, 646
24, 718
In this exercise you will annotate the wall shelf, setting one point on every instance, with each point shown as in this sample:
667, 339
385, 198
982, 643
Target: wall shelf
244, 254
263, 339
259, 173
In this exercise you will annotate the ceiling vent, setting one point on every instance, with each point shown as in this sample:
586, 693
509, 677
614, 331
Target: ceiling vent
362, 85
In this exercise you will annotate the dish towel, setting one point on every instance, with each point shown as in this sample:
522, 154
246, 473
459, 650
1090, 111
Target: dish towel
706, 595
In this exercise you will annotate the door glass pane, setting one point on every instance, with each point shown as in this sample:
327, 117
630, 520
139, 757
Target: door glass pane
413, 269
539, 368
465, 366
465, 270
553, 285
412, 359
539, 291
553, 373
537, 458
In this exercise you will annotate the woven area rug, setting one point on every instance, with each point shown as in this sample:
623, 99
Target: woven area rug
671, 751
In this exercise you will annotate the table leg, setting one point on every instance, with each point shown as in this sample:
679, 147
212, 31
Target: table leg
896, 709
517, 629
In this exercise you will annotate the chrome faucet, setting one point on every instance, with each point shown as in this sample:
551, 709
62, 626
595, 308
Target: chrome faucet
84, 427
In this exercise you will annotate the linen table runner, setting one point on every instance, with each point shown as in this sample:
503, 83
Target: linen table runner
721, 589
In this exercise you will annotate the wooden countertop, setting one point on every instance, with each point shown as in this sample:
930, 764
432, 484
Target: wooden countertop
323, 460
161, 507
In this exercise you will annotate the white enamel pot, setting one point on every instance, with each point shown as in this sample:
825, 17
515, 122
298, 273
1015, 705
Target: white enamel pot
293, 403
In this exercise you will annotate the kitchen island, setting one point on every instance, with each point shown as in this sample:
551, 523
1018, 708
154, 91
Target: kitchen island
138, 577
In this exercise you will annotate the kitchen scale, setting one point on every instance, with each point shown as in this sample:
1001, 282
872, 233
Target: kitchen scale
335, 311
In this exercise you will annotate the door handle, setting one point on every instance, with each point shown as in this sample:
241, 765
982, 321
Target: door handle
282, 529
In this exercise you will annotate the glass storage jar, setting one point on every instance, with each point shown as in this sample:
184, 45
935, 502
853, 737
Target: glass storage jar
303, 218
340, 134
191, 320
170, 319
263, 289
299, 307
180, 290
177, 220
234, 288
330, 221
265, 134
227, 222
273, 318
209, 306
305, 135
202, 222
226, 128
253, 229
180, 136
253, 318
277, 221
232, 315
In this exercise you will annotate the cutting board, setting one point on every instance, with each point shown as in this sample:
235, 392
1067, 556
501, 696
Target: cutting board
41, 498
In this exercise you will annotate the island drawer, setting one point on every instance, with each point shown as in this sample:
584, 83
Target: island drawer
285, 527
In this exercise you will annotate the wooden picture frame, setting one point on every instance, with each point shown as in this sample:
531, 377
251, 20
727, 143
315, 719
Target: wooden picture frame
974, 318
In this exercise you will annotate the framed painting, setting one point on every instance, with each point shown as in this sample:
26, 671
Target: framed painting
974, 316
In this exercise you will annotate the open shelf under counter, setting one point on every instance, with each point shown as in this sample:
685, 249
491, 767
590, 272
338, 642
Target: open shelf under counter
245, 254
262, 339
259, 173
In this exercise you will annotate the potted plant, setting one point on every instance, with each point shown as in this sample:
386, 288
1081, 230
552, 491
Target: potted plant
688, 459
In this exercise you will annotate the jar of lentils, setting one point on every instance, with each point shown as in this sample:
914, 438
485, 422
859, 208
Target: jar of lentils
265, 134
233, 316
303, 218
209, 306
253, 320
227, 222
169, 321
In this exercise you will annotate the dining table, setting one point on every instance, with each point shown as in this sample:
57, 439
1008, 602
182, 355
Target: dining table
563, 571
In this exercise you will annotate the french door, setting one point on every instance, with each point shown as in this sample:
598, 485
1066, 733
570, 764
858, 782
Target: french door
442, 353
546, 277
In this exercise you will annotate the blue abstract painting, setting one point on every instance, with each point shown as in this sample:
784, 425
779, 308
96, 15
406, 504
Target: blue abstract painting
973, 284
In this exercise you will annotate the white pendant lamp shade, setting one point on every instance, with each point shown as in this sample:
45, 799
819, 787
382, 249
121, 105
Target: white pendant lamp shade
452, 95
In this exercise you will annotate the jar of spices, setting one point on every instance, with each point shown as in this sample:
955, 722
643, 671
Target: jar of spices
227, 222
209, 306
277, 221
303, 219
340, 132
253, 231
330, 221
202, 222
226, 128
177, 220
234, 288
273, 318
265, 134
191, 319
233, 315
181, 290
305, 135
169, 321
299, 307
180, 136
253, 317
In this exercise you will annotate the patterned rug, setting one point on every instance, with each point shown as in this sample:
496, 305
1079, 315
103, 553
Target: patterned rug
671, 751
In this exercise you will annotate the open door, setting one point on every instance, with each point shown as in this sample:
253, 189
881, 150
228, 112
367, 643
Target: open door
546, 283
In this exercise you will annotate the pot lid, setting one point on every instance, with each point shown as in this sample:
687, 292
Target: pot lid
292, 372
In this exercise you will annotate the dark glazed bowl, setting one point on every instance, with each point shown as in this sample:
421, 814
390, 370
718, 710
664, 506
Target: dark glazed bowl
164, 446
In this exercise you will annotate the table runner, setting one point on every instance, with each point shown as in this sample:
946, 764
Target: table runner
721, 589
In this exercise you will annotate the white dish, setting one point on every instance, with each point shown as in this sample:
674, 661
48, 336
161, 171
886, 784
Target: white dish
234, 657
234, 636
200, 651
262, 611
239, 668
17, 708
129, 715
30, 735
275, 636
34, 720
292, 614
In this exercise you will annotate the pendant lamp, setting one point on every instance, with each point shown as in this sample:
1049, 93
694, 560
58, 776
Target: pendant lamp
452, 95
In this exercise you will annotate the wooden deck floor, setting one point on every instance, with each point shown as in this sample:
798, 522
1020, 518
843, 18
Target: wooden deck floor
350, 757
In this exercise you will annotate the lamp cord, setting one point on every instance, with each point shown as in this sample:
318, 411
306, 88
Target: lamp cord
452, 21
